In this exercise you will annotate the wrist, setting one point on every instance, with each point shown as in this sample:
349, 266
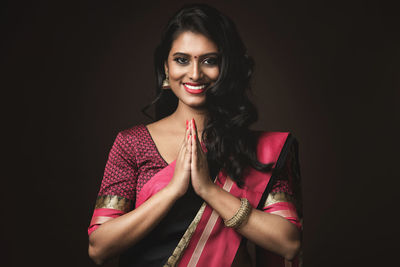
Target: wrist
171, 192
207, 191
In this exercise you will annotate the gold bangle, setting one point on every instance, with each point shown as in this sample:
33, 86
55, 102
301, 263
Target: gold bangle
241, 215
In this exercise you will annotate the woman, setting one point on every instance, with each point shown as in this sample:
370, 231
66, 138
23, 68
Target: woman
204, 192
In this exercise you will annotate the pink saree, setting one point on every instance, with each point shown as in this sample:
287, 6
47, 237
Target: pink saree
207, 242
207, 233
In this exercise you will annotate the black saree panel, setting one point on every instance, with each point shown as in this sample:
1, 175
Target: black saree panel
160, 243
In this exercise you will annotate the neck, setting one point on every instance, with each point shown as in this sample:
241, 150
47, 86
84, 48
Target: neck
183, 113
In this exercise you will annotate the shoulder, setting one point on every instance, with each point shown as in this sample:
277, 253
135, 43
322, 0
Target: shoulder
132, 132
132, 135
133, 142
129, 138
273, 144
269, 138
274, 136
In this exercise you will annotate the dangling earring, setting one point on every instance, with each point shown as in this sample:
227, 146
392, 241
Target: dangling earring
165, 84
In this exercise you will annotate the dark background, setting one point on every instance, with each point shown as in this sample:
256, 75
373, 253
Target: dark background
76, 73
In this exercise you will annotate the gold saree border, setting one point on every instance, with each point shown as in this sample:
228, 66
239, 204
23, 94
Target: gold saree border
114, 202
198, 250
274, 198
173, 260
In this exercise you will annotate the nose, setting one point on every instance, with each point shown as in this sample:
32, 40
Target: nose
195, 71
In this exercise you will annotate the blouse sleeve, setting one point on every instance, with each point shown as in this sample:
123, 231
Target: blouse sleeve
285, 198
117, 190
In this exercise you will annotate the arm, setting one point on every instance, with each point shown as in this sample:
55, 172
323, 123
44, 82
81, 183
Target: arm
269, 231
116, 235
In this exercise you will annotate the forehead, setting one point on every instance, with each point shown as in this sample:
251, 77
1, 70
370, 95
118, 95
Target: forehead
194, 44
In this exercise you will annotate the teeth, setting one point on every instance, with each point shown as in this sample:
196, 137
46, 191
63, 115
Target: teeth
198, 87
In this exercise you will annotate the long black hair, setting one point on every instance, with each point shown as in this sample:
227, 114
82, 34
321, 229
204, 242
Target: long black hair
231, 145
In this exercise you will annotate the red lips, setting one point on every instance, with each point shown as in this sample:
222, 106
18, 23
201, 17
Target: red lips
195, 88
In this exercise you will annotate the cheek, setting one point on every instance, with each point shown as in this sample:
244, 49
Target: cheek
212, 73
176, 73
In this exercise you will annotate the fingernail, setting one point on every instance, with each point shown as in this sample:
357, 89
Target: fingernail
187, 124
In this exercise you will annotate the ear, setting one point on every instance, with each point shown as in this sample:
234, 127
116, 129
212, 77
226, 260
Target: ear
165, 66
165, 83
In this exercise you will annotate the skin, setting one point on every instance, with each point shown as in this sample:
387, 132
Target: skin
193, 58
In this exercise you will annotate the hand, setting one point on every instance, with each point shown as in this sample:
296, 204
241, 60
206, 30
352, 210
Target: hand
199, 167
180, 181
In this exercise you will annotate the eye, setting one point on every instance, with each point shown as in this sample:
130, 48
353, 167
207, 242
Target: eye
181, 60
212, 61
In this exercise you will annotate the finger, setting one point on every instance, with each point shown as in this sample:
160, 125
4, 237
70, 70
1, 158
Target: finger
187, 133
184, 140
184, 143
188, 151
187, 129
194, 150
190, 127
196, 139
189, 146
187, 137
194, 127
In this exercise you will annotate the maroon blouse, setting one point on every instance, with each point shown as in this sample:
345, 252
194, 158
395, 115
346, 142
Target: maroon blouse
134, 160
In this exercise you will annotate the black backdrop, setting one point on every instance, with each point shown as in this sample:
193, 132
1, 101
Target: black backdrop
77, 73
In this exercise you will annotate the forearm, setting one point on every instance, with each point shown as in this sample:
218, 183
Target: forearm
272, 232
116, 235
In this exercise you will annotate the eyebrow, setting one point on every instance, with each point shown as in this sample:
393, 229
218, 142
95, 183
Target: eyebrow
204, 55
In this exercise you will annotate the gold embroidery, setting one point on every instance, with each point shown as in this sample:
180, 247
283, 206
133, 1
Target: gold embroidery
277, 197
183, 243
114, 202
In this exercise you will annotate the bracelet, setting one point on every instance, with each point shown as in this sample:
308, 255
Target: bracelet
241, 215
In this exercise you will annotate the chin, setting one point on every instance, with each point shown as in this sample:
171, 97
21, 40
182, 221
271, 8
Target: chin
196, 104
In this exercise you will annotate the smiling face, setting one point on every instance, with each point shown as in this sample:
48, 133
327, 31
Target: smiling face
192, 68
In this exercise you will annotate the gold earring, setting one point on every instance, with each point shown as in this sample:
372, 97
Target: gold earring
165, 84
